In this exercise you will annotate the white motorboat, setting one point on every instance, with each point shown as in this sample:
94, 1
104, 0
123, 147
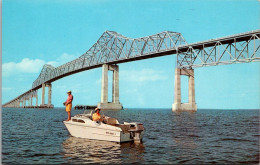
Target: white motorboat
109, 129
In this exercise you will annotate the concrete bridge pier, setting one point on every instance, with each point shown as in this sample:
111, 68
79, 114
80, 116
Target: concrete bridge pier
178, 105
43, 95
36, 96
15, 103
21, 103
31, 100
115, 104
49, 94
24, 102
49, 105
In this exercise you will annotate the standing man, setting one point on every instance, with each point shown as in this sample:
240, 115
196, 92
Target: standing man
68, 104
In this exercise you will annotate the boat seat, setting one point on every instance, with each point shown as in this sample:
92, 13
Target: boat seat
125, 128
111, 121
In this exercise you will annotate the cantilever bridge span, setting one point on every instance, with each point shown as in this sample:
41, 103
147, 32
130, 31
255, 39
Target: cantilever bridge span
113, 48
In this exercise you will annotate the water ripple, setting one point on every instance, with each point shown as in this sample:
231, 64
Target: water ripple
38, 136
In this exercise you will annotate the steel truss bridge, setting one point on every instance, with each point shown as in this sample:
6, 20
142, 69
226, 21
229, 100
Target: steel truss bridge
113, 48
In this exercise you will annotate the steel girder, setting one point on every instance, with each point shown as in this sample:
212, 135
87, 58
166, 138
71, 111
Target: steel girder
240, 48
112, 47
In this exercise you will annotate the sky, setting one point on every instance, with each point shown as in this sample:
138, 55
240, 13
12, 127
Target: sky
38, 32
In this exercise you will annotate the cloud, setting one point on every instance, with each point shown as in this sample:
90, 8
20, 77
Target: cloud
28, 66
64, 58
6, 88
142, 75
25, 66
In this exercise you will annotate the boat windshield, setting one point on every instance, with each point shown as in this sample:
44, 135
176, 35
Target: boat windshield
87, 112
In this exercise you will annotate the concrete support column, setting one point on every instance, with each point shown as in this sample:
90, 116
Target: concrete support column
177, 90
177, 105
104, 84
24, 102
104, 104
49, 94
31, 100
192, 90
43, 94
36, 98
115, 84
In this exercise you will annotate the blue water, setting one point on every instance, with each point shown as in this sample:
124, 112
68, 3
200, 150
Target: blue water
38, 136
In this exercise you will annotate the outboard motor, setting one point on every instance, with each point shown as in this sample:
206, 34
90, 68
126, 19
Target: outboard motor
135, 131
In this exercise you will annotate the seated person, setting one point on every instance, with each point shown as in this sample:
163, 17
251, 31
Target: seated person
96, 116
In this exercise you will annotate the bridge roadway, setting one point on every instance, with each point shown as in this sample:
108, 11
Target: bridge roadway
113, 48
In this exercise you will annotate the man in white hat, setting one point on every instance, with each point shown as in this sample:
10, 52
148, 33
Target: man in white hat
68, 104
97, 116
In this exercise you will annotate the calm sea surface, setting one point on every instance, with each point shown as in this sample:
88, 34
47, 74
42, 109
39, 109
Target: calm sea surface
36, 136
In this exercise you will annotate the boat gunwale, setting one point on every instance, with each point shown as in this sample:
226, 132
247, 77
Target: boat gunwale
85, 125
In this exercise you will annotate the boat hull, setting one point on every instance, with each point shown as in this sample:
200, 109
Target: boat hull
99, 131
